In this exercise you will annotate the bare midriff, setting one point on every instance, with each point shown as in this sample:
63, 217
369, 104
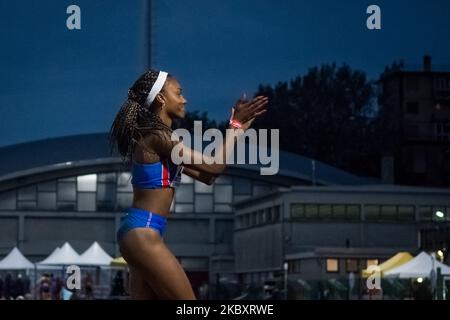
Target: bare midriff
155, 200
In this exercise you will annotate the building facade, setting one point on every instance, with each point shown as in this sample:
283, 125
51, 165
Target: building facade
326, 233
72, 189
417, 102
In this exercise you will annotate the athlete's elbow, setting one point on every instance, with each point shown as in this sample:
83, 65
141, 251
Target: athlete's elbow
211, 180
217, 169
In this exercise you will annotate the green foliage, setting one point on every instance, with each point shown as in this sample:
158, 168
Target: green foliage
328, 114
188, 121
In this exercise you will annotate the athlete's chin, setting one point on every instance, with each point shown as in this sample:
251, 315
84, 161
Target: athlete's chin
181, 114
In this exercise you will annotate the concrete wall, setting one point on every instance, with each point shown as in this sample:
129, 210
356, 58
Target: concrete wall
258, 248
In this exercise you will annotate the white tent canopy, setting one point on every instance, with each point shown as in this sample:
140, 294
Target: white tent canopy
66, 255
419, 267
95, 256
49, 267
15, 260
53, 254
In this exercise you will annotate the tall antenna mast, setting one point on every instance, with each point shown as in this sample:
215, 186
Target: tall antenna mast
148, 45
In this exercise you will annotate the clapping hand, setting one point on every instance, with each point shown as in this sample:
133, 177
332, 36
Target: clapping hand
246, 111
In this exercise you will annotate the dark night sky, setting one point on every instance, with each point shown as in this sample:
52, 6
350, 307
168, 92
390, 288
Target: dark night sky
56, 82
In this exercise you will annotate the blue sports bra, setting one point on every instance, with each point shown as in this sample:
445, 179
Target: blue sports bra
162, 174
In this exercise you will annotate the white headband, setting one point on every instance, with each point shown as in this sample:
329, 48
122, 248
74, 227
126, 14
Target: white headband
156, 88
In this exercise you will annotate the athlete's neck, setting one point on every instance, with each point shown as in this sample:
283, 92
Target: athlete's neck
166, 119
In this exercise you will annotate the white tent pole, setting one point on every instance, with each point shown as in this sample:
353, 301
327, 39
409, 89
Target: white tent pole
35, 281
433, 276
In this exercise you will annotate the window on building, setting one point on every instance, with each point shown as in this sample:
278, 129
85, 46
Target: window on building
223, 208
27, 193
223, 231
297, 211
247, 220
203, 203
294, 266
442, 131
311, 211
185, 193
276, 213
66, 205
325, 211
8, 200
201, 187
239, 222
124, 182
66, 191
371, 212
354, 212
223, 193
339, 211
260, 217
87, 182
332, 265
86, 201
186, 179
406, 213
106, 193
124, 200
46, 200
351, 265
441, 84
389, 213
26, 205
371, 262
184, 208
109, 177
412, 107
268, 215
253, 219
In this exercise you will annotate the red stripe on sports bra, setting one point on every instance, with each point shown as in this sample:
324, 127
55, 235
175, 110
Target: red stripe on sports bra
165, 178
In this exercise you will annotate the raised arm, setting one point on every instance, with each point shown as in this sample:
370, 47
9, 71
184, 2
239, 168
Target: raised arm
243, 113
201, 176
204, 168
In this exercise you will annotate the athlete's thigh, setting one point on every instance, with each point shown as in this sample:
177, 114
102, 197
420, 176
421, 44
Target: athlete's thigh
156, 264
139, 289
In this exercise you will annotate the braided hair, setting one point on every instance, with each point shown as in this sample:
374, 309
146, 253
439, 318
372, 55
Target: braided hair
135, 120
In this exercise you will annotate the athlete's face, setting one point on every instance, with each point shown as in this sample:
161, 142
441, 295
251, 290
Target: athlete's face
174, 101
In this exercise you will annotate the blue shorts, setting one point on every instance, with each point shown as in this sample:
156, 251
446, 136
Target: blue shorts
140, 218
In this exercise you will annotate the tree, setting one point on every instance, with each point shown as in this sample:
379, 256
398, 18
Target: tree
328, 114
188, 121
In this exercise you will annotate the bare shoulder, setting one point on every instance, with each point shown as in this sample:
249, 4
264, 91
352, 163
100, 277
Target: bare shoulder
159, 143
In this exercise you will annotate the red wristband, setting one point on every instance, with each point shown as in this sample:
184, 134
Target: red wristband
235, 123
